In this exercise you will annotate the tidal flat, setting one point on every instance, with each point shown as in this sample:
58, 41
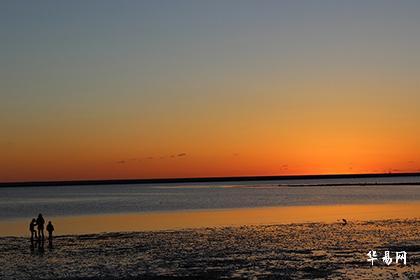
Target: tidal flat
286, 251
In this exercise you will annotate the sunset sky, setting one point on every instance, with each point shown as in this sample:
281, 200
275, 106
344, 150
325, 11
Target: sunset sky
151, 89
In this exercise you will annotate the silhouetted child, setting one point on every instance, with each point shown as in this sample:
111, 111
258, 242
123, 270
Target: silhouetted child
32, 229
40, 223
50, 229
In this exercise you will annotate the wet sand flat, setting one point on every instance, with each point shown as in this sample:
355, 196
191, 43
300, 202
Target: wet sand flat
286, 251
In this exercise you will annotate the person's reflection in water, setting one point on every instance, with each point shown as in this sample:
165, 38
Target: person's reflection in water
32, 247
41, 247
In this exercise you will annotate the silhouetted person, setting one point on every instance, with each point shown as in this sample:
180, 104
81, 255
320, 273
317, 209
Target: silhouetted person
32, 229
40, 223
50, 229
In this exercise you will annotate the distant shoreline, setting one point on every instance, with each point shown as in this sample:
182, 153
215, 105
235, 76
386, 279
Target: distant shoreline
352, 184
212, 179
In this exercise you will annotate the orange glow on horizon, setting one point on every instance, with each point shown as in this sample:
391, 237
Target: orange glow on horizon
221, 217
283, 88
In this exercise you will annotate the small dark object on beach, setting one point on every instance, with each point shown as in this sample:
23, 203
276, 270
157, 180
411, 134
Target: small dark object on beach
344, 222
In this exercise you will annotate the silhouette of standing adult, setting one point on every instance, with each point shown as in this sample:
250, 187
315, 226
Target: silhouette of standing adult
40, 223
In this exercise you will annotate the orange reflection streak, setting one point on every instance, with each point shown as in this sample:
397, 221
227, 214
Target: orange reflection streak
214, 218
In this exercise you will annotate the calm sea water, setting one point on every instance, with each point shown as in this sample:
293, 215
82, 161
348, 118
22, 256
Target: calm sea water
26, 202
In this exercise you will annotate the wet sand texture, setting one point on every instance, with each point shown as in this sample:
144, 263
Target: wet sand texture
295, 251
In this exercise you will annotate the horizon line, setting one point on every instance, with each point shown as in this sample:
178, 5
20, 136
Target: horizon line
198, 179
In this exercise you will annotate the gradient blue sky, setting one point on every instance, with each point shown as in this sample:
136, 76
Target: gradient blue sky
92, 89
